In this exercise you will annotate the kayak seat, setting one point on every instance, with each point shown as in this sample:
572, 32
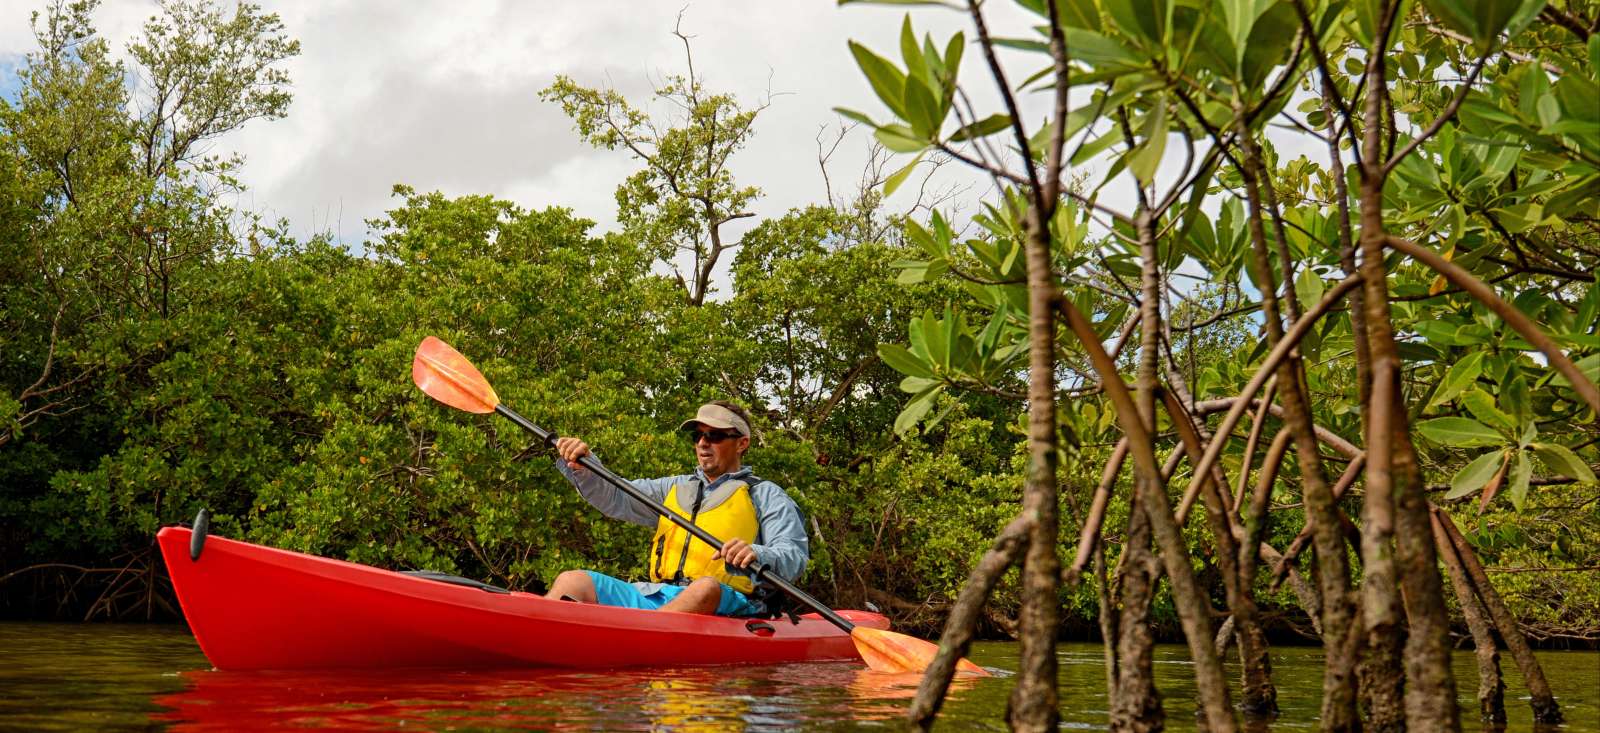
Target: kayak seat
454, 580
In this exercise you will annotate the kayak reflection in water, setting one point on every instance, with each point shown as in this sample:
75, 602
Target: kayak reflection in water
755, 519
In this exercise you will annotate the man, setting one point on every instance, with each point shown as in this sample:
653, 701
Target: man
757, 522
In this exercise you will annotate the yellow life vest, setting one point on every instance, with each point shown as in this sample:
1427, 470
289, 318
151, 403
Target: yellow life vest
726, 513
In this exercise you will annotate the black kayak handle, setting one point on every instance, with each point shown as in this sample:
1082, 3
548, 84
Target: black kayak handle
197, 539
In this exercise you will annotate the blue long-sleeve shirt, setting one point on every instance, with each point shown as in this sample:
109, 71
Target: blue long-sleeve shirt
781, 544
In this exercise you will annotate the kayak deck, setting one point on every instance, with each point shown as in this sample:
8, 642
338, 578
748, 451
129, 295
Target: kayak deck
256, 607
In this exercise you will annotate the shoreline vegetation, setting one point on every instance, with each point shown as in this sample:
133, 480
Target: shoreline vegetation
1328, 372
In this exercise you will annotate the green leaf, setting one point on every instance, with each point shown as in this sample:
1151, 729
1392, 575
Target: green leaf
1514, 395
922, 110
887, 81
1482, 406
1078, 14
916, 64
1438, 333
1138, 18
952, 337
1529, 432
900, 176
1472, 334
953, 49
933, 337
1461, 375
1561, 458
1548, 110
1588, 366
1588, 317
986, 126
900, 139
1203, 238
936, 246
1241, 18
1455, 14
1475, 474
915, 385
1520, 477
1459, 432
1089, 150
854, 116
1309, 287
1517, 16
1518, 218
1147, 156
900, 359
1580, 100
990, 336
915, 410
1097, 50
1033, 45
1534, 85
912, 272
1268, 47
1580, 196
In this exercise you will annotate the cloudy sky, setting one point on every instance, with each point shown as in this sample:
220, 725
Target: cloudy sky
444, 96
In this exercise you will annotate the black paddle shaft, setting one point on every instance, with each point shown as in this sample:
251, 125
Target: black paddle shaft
762, 571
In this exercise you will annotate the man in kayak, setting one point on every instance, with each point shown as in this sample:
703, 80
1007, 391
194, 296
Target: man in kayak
757, 522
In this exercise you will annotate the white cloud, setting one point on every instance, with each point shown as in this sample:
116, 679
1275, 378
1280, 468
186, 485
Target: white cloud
443, 95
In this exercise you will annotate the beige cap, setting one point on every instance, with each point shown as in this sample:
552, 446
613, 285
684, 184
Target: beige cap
717, 416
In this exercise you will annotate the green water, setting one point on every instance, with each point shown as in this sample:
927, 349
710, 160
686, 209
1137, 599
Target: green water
129, 677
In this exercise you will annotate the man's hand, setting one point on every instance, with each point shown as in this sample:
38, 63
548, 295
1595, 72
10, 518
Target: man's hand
570, 449
736, 552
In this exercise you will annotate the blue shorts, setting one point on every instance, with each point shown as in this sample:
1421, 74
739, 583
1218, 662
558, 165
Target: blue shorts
609, 591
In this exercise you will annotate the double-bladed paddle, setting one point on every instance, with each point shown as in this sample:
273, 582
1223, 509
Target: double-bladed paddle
445, 375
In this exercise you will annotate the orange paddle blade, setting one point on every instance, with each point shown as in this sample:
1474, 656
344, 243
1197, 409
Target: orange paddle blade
887, 651
445, 375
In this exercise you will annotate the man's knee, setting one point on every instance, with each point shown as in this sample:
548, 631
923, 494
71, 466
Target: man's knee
705, 586
705, 594
574, 576
702, 595
575, 584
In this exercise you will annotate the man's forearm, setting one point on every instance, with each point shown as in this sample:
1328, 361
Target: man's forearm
611, 501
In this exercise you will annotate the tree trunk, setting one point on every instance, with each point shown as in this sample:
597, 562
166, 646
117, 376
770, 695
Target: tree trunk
1033, 699
1304, 592
1194, 611
1491, 688
1392, 470
1253, 652
1382, 671
1260, 697
1545, 707
1333, 571
1382, 687
958, 628
1136, 707
1224, 639
1108, 620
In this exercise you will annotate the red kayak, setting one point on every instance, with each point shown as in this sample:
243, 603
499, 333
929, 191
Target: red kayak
255, 607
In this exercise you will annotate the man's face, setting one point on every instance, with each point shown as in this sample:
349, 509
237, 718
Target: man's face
717, 450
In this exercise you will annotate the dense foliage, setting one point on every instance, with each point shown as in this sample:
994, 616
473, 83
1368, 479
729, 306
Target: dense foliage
1400, 200
162, 353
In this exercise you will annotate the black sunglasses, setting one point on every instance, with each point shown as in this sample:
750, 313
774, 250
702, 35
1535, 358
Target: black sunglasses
714, 437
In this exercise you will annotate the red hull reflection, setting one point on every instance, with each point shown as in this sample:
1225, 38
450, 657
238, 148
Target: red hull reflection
685, 699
